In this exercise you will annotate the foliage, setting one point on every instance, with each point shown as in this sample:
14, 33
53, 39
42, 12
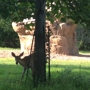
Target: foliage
16, 10
83, 37
8, 38
20, 9
77, 10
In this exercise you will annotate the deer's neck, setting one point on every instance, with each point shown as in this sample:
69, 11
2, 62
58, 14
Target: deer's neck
21, 62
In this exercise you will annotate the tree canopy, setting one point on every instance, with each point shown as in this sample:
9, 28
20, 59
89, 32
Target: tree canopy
16, 10
78, 10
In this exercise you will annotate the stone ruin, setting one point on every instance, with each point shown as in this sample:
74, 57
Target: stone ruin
62, 40
25, 36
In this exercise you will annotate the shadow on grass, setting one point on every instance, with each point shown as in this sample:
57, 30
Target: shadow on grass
62, 78
16, 70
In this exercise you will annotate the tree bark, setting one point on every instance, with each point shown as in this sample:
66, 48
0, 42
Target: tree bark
40, 61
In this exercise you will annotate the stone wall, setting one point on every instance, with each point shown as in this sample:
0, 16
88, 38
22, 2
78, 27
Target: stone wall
62, 40
26, 43
58, 45
65, 35
25, 37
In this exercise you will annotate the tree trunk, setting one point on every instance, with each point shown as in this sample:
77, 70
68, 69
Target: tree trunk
40, 61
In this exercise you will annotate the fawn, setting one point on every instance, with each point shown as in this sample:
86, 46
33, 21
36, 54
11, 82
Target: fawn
26, 62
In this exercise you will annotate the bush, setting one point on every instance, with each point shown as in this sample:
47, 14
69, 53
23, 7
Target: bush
83, 37
8, 38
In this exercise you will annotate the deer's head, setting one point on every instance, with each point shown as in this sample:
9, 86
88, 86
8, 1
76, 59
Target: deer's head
17, 57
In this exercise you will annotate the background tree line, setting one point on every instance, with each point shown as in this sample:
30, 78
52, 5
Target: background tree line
17, 10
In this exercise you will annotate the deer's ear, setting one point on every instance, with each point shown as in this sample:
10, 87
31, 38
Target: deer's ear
12, 54
21, 54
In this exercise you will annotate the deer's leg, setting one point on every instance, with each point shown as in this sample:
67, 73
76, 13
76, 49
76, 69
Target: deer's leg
27, 74
23, 73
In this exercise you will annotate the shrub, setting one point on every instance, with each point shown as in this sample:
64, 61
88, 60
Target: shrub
8, 38
83, 37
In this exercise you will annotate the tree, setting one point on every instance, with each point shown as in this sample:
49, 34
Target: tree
40, 62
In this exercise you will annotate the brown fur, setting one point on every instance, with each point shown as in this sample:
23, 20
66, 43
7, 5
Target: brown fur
26, 62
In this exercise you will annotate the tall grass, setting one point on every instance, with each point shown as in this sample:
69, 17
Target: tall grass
65, 75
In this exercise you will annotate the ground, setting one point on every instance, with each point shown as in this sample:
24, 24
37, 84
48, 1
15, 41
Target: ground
7, 54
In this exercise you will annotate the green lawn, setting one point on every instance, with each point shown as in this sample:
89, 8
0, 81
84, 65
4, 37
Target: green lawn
5, 48
65, 75
85, 52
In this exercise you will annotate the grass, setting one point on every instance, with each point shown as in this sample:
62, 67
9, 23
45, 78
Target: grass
65, 75
5, 48
85, 52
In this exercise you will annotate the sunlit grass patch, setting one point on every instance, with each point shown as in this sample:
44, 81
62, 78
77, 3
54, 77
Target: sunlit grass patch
5, 48
84, 52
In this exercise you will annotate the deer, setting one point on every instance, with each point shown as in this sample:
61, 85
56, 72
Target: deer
26, 62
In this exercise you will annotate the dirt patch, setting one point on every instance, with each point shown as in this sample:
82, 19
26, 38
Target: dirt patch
7, 54
70, 57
